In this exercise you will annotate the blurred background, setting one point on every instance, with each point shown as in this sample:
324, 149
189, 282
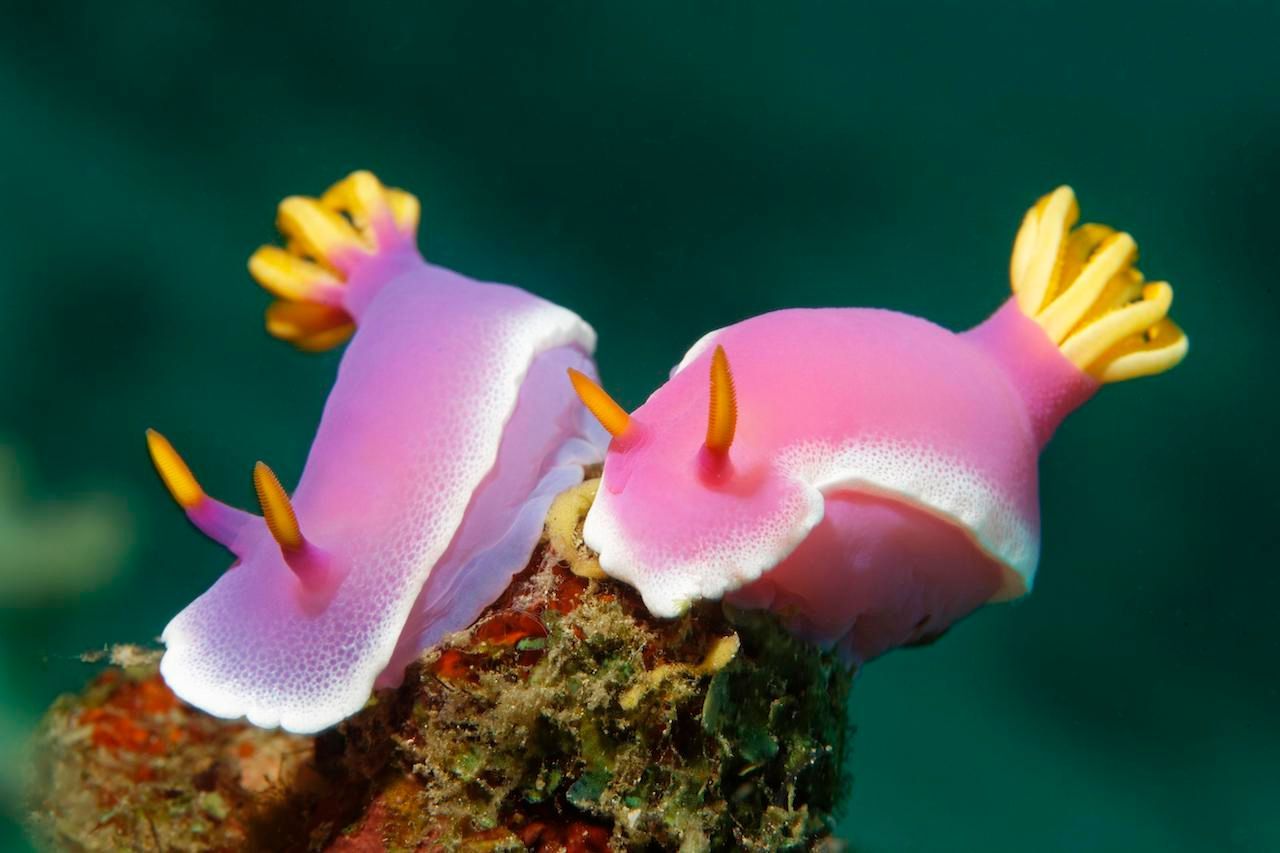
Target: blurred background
664, 169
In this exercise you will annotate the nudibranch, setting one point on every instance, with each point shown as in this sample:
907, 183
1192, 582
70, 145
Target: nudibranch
447, 434
869, 475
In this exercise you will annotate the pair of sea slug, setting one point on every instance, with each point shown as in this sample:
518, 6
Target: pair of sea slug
868, 475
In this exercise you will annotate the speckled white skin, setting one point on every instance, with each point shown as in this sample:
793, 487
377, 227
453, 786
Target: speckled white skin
672, 574
943, 486
410, 431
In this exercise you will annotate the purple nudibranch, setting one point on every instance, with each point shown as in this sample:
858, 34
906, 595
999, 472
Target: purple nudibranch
447, 434
869, 475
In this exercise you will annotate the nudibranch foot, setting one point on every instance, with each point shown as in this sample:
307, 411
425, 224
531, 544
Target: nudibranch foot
448, 430
905, 575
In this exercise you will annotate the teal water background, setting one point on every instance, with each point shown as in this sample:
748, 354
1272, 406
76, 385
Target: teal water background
665, 169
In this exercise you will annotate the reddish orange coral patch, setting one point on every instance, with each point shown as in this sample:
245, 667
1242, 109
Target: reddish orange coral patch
574, 837
115, 723
568, 591
455, 665
508, 627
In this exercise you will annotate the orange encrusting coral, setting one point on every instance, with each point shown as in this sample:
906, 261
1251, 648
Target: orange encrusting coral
575, 837
113, 725
493, 639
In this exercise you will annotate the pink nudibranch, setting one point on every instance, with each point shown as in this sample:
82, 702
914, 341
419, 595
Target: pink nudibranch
880, 480
447, 434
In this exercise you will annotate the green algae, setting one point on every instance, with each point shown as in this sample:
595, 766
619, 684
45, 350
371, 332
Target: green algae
745, 755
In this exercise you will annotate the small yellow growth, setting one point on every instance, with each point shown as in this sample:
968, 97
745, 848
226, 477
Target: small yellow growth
1081, 286
612, 417
277, 509
722, 417
564, 529
177, 477
323, 238
724, 650
717, 658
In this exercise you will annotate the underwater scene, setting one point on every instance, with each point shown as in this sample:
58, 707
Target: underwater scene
609, 426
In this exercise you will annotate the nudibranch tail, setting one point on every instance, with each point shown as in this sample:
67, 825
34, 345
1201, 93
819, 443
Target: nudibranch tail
612, 417
722, 415
215, 519
1081, 287
329, 241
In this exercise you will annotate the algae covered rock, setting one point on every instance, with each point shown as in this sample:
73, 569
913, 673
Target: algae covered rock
566, 718
125, 766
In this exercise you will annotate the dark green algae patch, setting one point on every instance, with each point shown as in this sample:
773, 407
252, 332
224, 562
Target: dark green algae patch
566, 718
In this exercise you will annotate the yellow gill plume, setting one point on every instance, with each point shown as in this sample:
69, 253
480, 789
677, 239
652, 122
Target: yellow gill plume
1081, 286
324, 237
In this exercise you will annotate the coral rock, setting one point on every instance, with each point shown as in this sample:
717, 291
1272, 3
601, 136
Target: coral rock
566, 718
